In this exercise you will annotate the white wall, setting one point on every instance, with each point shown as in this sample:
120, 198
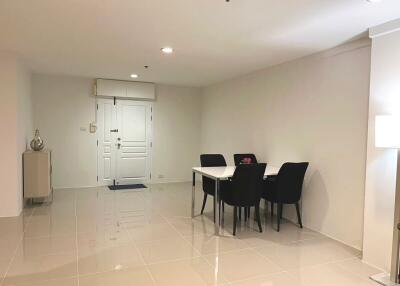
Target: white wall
63, 104
381, 163
24, 120
176, 126
314, 109
15, 129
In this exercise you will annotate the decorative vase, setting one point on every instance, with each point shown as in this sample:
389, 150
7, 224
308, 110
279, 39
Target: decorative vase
37, 142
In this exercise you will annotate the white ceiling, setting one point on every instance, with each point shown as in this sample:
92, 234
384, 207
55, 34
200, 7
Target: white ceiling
214, 40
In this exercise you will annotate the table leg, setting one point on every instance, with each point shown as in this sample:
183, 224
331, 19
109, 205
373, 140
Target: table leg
193, 192
216, 207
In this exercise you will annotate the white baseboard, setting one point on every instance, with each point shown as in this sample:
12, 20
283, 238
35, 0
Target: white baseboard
336, 239
156, 182
327, 235
374, 266
80, 187
151, 183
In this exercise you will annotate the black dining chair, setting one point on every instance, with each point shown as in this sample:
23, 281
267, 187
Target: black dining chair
286, 188
245, 190
211, 160
238, 158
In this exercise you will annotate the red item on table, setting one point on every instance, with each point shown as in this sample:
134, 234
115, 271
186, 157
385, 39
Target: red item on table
246, 161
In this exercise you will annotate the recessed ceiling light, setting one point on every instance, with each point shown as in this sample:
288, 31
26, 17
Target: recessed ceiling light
167, 50
134, 75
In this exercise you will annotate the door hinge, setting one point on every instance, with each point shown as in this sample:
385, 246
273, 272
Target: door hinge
151, 144
97, 142
97, 178
115, 100
97, 106
150, 175
151, 118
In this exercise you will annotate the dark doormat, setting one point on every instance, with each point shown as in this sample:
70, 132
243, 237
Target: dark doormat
126, 187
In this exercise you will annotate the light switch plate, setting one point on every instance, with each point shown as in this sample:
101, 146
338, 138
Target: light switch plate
93, 127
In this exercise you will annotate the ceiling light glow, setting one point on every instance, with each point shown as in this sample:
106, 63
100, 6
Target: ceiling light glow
134, 75
167, 50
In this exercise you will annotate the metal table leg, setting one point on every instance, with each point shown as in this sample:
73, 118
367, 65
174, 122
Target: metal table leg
216, 207
193, 192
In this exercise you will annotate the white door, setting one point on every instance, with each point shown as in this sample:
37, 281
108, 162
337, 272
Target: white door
133, 141
106, 158
124, 149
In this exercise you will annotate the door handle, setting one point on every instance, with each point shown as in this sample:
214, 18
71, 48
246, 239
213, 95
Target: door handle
119, 145
114, 130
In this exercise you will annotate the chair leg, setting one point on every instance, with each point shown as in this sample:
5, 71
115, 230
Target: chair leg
223, 212
272, 209
299, 215
240, 213
281, 212
204, 203
248, 212
257, 215
279, 215
245, 213
219, 208
266, 208
214, 207
234, 220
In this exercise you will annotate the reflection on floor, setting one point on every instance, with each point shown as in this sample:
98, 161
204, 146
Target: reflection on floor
146, 237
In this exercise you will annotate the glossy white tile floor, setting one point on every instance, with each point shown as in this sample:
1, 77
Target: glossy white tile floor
146, 237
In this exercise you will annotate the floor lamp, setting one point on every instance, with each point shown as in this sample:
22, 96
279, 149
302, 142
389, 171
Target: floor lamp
387, 135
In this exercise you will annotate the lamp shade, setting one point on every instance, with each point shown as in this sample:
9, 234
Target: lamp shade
387, 131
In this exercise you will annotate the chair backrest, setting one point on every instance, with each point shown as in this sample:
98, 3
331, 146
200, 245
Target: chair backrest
289, 182
247, 184
239, 157
211, 160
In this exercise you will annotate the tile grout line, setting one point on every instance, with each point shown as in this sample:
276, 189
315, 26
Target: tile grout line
253, 249
348, 271
141, 256
16, 248
76, 237
306, 266
201, 256
260, 276
168, 220
133, 243
147, 265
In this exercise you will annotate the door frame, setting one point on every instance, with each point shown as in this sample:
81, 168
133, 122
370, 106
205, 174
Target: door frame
151, 139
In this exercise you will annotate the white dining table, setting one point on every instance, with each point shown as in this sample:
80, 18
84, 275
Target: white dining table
220, 174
